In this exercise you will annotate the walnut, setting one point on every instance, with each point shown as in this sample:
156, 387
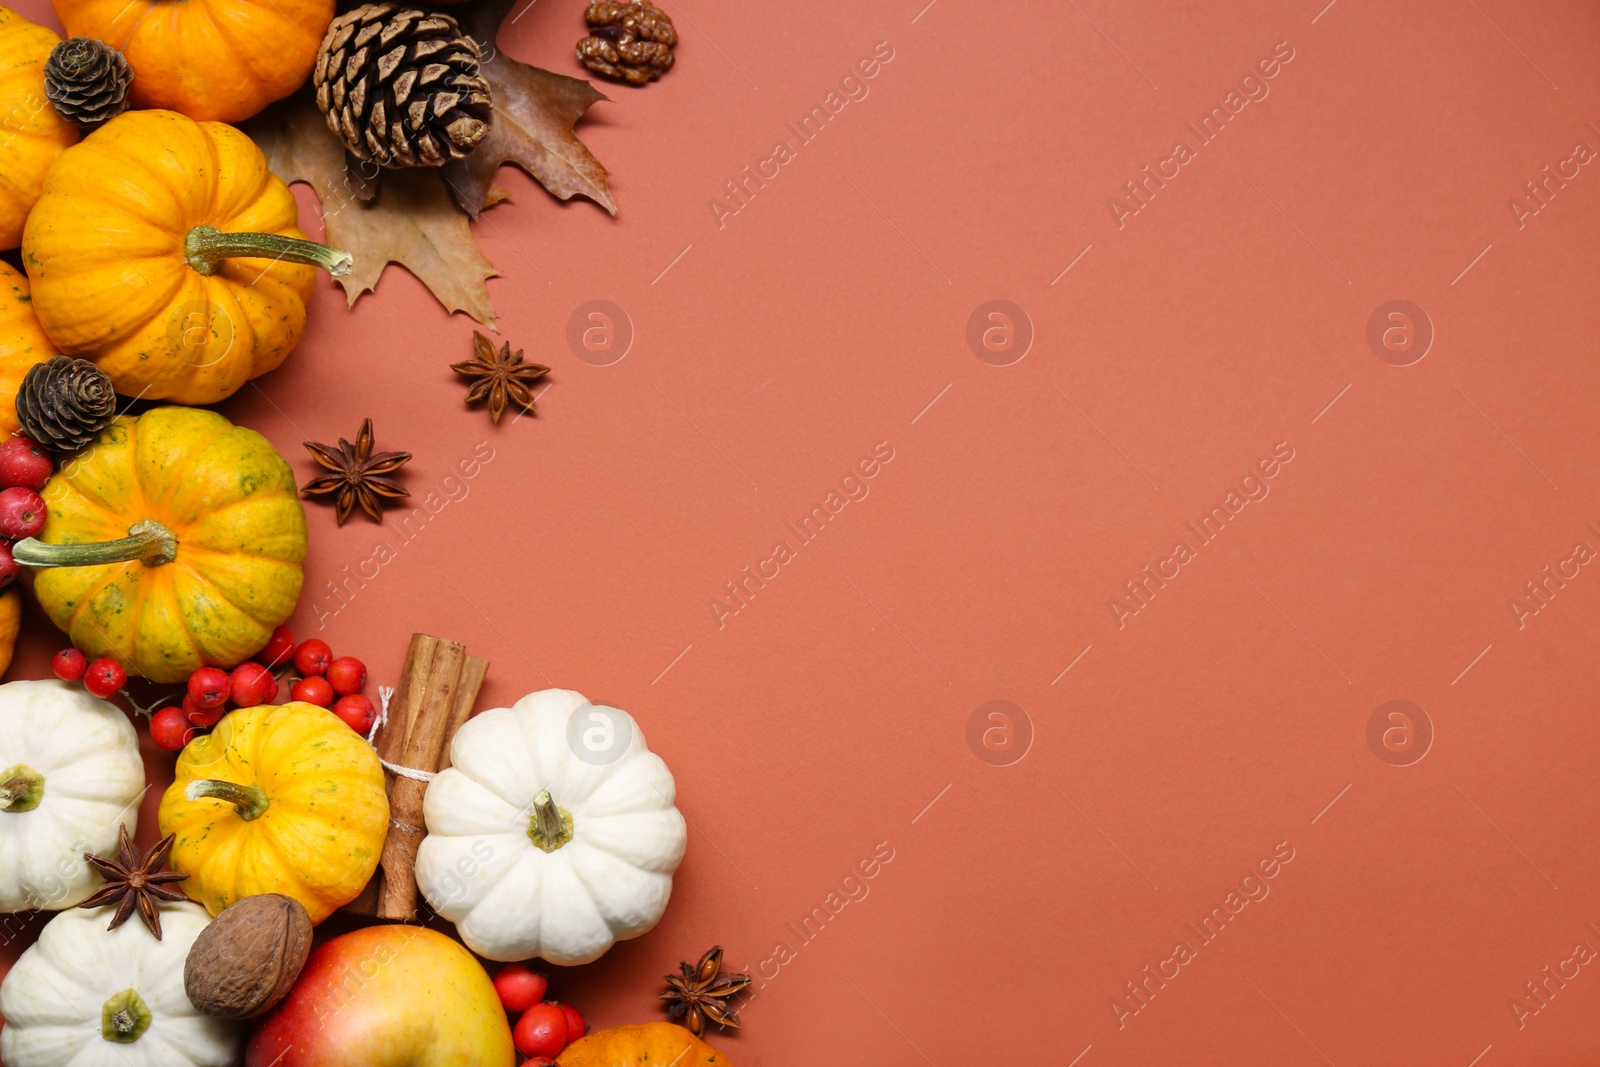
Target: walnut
630, 42
247, 960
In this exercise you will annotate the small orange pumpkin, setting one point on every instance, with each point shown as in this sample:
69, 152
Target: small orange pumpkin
22, 343
10, 624
206, 283
222, 60
655, 1044
32, 135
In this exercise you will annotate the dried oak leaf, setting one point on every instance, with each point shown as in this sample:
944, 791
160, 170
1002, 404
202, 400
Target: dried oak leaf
412, 221
534, 113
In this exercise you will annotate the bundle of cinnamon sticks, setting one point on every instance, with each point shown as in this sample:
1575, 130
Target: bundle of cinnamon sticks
438, 687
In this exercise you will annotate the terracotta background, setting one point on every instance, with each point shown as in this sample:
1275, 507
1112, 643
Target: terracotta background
831, 312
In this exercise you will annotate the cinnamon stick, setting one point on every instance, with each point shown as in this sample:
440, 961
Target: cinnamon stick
390, 743
427, 692
466, 698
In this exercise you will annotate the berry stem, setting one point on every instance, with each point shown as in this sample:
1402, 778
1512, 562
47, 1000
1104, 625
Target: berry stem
207, 248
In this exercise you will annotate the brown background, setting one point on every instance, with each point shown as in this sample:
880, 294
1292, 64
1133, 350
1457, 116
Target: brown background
1228, 716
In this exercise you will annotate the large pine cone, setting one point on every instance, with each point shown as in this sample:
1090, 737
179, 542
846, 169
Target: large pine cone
402, 87
64, 403
628, 41
87, 81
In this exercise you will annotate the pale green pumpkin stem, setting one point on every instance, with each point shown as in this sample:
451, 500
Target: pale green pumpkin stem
550, 827
250, 801
148, 541
207, 248
125, 1017
21, 789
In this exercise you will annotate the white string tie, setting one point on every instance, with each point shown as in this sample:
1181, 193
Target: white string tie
385, 694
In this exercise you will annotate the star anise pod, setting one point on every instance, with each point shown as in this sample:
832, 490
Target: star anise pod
135, 882
359, 476
702, 992
498, 375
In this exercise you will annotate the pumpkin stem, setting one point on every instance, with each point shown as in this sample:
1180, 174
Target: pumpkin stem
206, 248
250, 801
125, 1017
21, 789
148, 541
550, 827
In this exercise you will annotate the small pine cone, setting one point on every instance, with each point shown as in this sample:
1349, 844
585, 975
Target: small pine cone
87, 82
64, 403
402, 87
630, 42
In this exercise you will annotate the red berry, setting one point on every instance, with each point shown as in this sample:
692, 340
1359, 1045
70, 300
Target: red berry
21, 513
104, 676
24, 463
170, 729
542, 1031
313, 656
208, 687
347, 675
9, 567
251, 685
312, 690
280, 646
520, 987
69, 664
576, 1027
202, 717
357, 711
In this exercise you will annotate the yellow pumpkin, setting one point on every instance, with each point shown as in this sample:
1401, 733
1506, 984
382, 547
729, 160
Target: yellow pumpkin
22, 343
277, 799
173, 542
32, 135
656, 1044
165, 251
220, 60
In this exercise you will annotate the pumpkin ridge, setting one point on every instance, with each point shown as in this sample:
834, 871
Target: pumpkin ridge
243, 56
110, 347
111, 518
260, 457
123, 47
117, 572
109, 156
175, 479
122, 424
151, 576
220, 288
275, 834
204, 579
200, 525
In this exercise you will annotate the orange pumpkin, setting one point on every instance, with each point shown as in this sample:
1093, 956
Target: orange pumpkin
32, 135
22, 343
655, 1044
222, 60
205, 286
10, 624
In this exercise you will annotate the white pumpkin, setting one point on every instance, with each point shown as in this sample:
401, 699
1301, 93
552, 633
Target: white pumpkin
91, 997
70, 775
553, 832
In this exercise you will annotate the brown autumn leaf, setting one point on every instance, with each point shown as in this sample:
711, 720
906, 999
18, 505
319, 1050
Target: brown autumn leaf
534, 113
412, 221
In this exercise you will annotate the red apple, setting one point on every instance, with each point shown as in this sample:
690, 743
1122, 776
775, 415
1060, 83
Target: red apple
387, 996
